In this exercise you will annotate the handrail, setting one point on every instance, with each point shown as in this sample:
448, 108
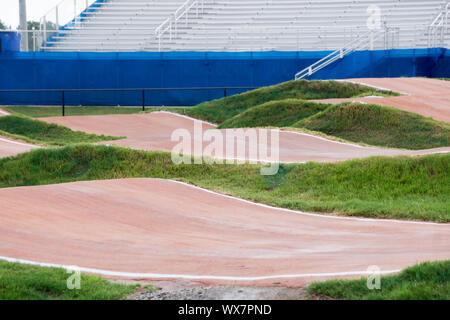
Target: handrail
349, 48
437, 28
447, 13
171, 23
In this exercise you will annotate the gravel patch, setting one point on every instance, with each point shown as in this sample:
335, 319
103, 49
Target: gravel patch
224, 293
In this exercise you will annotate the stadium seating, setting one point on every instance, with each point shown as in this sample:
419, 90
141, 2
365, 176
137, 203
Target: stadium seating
246, 25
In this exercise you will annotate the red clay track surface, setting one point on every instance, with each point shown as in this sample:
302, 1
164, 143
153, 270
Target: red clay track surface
428, 97
9, 147
164, 227
153, 132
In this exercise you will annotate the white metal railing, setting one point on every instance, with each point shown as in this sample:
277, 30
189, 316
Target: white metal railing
367, 40
438, 28
65, 13
170, 25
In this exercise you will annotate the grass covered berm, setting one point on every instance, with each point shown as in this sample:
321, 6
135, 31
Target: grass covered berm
40, 132
218, 111
282, 113
426, 281
379, 187
26, 282
379, 126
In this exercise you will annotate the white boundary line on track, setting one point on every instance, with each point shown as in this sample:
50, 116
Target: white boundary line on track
19, 143
294, 132
192, 277
288, 131
186, 117
328, 140
306, 213
227, 278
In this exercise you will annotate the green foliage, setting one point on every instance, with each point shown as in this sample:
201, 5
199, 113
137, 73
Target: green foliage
2, 25
25, 282
379, 126
281, 113
379, 187
220, 110
425, 281
40, 132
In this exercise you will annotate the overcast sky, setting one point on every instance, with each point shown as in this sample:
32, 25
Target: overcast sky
9, 10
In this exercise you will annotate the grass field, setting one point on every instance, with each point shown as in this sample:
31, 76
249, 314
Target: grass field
401, 188
25, 282
43, 112
40, 132
426, 281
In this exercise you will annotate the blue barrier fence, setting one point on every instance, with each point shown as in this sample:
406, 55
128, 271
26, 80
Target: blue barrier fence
47, 70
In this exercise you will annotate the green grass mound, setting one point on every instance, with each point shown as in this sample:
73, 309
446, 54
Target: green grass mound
41, 132
25, 282
218, 111
379, 126
426, 281
379, 187
282, 113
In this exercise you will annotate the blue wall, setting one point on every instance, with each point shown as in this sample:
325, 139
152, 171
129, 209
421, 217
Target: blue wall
10, 41
46, 70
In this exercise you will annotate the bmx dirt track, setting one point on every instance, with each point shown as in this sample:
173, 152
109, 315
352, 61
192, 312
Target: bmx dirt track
151, 226
157, 229
428, 97
153, 132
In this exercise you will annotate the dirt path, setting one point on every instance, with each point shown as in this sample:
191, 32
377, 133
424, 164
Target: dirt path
9, 147
153, 131
224, 293
428, 97
159, 229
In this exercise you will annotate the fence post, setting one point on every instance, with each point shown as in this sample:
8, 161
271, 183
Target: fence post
63, 104
143, 99
224, 92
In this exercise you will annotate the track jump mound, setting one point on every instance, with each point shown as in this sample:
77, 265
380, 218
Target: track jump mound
223, 109
40, 132
279, 113
150, 228
379, 126
154, 132
428, 97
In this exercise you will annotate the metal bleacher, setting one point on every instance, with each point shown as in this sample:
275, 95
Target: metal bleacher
247, 25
